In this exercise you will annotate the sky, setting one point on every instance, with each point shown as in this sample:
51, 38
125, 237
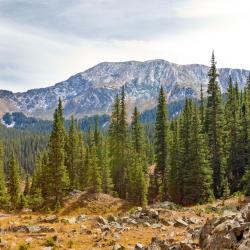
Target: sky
43, 42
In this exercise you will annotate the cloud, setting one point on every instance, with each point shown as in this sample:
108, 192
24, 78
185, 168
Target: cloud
44, 42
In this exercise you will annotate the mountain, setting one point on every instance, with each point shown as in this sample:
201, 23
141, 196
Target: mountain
92, 92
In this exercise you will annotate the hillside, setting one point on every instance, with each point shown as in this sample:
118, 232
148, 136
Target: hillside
92, 92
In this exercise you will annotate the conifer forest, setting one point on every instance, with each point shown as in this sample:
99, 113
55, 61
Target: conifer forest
198, 155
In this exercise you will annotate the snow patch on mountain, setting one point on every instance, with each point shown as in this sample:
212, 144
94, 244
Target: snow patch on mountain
93, 91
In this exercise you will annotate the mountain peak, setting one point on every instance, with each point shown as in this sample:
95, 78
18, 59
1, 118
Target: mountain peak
93, 91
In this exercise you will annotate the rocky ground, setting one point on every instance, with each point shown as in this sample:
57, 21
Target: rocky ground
91, 222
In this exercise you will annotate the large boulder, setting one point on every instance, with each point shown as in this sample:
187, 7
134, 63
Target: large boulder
229, 231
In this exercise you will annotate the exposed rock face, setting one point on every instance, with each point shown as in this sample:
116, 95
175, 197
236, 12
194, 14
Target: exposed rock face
92, 91
230, 231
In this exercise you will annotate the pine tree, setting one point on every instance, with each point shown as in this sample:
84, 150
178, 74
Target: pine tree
57, 175
137, 188
161, 149
234, 161
118, 145
123, 145
72, 155
95, 180
175, 185
139, 140
202, 190
202, 108
13, 181
26, 191
136, 130
214, 127
3, 193
190, 178
114, 144
107, 182
81, 156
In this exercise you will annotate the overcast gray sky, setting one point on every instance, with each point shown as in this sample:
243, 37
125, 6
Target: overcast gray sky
46, 41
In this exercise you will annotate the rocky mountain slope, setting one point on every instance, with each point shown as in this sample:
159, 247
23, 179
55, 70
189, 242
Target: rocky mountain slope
92, 91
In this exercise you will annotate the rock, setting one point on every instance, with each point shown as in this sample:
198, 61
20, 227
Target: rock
112, 218
83, 229
116, 225
81, 218
118, 247
102, 220
180, 223
166, 222
116, 236
20, 229
3, 243
192, 220
70, 221
157, 244
230, 231
186, 246
156, 225
131, 221
47, 248
49, 219
146, 224
104, 227
32, 229
139, 246
29, 240
195, 233
75, 192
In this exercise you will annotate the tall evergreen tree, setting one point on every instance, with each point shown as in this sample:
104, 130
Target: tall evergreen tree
95, 180
72, 155
139, 139
202, 108
123, 145
57, 174
161, 148
107, 182
3, 193
137, 188
26, 191
214, 126
175, 179
234, 161
14, 181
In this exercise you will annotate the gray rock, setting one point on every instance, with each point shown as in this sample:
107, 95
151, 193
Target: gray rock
112, 218
20, 229
118, 247
230, 231
32, 229
180, 223
156, 225
49, 219
70, 221
102, 220
104, 227
139, 246
81, 218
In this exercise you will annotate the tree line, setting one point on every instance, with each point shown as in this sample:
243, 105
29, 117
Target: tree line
201, 154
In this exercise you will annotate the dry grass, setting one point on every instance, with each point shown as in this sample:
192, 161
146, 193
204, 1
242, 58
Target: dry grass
73, 236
